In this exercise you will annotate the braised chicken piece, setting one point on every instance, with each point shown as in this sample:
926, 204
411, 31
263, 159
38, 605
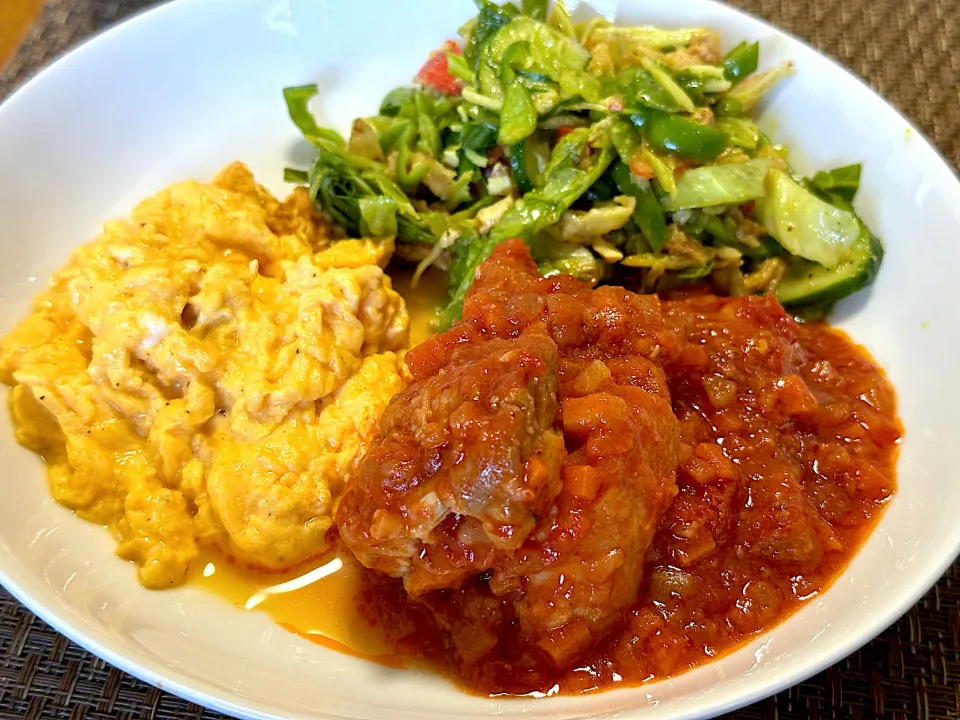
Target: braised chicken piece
516, 484
466, 461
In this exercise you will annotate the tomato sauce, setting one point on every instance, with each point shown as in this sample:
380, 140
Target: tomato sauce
788, 440
788, 446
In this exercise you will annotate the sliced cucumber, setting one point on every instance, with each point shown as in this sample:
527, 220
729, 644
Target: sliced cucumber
808, 283
805, 225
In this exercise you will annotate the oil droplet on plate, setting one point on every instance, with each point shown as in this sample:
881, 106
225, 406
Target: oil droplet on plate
316, 602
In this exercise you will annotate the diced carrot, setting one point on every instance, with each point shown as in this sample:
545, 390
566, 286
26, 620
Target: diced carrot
537, 473
566, 641
581, 481
581, 415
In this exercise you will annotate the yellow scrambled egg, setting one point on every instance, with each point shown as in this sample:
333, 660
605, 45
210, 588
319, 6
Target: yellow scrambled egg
205, 373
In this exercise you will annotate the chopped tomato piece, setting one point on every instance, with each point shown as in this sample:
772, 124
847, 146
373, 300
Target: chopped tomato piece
563, 130
435, 73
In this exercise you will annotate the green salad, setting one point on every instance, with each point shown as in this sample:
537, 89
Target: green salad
618, 154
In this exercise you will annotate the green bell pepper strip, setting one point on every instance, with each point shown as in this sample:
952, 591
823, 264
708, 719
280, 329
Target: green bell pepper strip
648, 213
428, 135
637, 86
408, 177
394, 134
839, 185
724, 230
458, 67
728, 107
743, 60
518, 120
625, 138
478, 136
516, 57
519, 168
684, 138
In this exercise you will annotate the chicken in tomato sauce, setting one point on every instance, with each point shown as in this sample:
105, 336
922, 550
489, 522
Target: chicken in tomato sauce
589, 486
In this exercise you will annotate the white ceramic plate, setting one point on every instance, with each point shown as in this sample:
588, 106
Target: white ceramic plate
185, 89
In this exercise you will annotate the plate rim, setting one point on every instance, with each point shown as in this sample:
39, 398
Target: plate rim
198, 690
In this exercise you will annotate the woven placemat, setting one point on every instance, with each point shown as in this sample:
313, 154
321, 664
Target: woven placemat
909, 50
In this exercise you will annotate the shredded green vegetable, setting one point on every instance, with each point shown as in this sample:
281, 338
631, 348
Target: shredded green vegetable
623, 154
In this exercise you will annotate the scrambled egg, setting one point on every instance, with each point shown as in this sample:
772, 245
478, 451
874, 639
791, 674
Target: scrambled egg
205, 373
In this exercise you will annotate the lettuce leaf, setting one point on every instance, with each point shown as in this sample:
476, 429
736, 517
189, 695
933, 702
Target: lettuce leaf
711, 185
551, 53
